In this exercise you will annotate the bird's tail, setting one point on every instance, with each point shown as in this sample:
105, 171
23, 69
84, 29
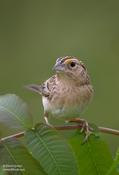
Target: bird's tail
33, 87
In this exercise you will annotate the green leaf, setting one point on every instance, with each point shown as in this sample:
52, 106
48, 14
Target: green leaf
14, 115
1, 171
15, 158
52, 151
114, 170
94, 157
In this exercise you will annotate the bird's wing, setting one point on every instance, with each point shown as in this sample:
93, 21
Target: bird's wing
45, 88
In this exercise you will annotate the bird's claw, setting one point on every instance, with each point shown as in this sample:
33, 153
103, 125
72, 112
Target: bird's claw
85, 128
47, 123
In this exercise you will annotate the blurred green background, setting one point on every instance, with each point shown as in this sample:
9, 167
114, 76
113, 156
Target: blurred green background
33, 33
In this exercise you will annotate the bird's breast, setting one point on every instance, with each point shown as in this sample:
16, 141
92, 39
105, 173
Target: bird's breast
66, 102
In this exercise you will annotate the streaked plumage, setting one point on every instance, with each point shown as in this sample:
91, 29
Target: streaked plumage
68, 92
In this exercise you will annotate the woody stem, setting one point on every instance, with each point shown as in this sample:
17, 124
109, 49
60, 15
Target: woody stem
68, 127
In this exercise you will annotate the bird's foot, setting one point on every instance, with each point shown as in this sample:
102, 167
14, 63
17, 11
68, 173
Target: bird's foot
85, 128
47, 123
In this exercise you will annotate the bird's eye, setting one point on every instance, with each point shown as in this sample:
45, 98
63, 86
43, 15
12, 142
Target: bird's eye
72, 64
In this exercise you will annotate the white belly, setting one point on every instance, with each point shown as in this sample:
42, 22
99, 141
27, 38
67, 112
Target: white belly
61, 111
46, 104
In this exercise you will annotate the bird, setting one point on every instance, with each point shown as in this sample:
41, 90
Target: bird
67, 93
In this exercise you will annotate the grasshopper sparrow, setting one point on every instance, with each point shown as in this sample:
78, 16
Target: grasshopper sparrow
67, 92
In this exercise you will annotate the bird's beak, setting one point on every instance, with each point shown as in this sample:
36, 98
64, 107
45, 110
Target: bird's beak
58, 67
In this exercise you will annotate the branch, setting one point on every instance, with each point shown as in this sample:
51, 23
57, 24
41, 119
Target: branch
68, 127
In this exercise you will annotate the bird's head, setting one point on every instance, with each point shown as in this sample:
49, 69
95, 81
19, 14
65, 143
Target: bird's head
71, 68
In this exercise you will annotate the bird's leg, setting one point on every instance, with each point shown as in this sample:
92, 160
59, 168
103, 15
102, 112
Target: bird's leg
84, 128
46, 119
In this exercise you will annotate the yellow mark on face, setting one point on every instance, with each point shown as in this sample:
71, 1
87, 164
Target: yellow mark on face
68, 61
